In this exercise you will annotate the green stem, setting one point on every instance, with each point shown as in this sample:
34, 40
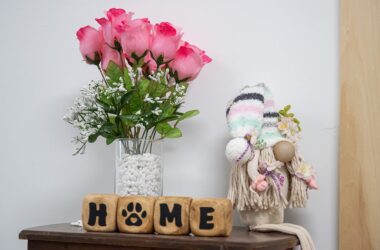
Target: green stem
101, 72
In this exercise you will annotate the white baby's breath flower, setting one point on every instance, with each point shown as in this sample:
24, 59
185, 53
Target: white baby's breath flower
167, 95
179, 100
157, 111
148, 99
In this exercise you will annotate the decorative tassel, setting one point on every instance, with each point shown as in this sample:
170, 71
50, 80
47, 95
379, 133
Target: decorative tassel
298, 188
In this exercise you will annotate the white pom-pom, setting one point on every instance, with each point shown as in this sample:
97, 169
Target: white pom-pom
238, 150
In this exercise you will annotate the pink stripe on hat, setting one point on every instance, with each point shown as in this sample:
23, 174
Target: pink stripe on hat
268, 103
236, 110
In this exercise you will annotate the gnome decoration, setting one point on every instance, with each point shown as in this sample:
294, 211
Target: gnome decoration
268, 174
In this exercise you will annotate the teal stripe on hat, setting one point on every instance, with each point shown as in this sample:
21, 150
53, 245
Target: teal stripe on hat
239, 123
271, 136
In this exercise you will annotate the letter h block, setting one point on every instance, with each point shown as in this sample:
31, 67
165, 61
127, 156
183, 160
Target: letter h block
211, 217
171, 215
99, 212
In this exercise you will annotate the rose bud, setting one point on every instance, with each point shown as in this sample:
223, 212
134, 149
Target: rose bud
109, 54
136, 37
166, 39
109, 27
89, 44
189, 61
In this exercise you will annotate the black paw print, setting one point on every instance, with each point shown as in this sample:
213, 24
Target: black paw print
134, 215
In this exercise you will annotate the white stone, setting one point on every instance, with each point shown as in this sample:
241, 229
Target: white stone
139, 175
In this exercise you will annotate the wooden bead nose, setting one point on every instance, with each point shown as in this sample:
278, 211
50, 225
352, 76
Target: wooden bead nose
284, 151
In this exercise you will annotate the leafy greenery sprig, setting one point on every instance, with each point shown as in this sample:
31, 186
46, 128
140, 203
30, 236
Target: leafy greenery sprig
285, 113
129, 103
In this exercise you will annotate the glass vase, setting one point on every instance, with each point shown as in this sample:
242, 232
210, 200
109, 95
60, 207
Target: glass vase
139, 168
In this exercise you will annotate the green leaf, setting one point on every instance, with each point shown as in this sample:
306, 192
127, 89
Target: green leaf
109, 140
135, 103
127, 81
188, 114
143, 86
287, 108
290, 115
296, 120
107, 130
158, 90
113, 72
125, 98
173, 133
92, 138
167, 110
129, 120
104, 105
163, 128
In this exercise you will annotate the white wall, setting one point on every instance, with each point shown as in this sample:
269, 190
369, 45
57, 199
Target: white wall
291, 45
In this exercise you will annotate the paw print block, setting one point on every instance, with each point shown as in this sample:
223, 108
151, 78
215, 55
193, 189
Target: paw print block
171, 215
99, 212
211, 217
135, 214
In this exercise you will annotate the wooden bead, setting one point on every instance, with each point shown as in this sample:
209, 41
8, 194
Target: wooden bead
284, 151
211, 217
99, 212
171, 215
135, 214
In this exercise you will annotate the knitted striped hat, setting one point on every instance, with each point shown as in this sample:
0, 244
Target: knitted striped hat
251, 117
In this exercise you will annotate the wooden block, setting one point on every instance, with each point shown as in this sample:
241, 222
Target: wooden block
171, 215
211, 217
99, 212
135, 214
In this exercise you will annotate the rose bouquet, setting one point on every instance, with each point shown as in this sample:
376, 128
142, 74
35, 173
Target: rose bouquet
145, 72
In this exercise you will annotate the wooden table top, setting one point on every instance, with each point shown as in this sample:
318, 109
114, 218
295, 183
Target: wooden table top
240, 238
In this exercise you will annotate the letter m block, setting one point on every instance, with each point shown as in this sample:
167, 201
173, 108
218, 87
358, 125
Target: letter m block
171, 215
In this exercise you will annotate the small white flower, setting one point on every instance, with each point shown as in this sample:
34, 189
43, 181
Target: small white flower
179, 100
148, 99
138, 112
167, 95
157, 111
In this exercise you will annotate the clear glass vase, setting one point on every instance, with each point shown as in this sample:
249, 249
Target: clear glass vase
139, 168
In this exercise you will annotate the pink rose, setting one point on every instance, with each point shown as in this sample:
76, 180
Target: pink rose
136, 36
166, 39
109, 54
189, 61
118, 17
89, 44
109, 27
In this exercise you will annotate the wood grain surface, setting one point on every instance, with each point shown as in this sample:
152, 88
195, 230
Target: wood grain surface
65, 236
359, 222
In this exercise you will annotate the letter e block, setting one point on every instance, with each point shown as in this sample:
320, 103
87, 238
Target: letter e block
171, 215
135, 214
99, 212
211, 217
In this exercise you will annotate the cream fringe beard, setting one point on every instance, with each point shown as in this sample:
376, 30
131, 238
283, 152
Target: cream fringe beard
243, 198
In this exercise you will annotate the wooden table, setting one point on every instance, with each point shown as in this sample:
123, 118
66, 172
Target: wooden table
67, 237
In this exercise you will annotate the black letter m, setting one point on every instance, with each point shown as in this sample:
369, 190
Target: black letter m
93, 213
165, 214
